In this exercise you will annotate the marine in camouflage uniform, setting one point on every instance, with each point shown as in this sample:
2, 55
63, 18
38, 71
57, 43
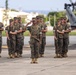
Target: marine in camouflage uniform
38, 18
43, 43
22, 36
67, 29
11, 39
19, 37
34, 40
60, 33
56, 41
1, 29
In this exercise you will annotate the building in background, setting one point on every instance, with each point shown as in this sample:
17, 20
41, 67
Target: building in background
11, 14
26, 17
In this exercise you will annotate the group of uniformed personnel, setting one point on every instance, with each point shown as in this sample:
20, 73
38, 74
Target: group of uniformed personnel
38, 29
15, 38
61, 37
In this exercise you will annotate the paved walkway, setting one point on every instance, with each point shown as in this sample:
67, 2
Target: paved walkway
46, 66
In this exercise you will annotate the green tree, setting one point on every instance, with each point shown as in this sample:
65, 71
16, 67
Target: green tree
23, 20
44, 17
14, 10
58, 15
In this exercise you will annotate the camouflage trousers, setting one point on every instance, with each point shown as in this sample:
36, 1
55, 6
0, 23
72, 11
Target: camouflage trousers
21, 48
19, 44
34, 49
11, 46
42, 46
60, 45
65, 45
56, 46
0, 44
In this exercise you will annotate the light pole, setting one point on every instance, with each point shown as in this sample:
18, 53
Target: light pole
54, 19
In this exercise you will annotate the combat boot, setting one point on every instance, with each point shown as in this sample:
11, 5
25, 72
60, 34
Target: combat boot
10, 56
65, 55
60, 56
33, 61
16, 55
36, 60
57, 56
39, 55
13, 56
42, 55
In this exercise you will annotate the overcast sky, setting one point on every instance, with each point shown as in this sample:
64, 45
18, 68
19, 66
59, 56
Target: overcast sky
36, 4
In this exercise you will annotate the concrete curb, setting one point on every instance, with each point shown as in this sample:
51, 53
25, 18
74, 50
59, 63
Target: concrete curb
26, 46
4, 47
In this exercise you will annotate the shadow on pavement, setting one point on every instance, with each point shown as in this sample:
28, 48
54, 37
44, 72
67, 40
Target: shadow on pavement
72, 47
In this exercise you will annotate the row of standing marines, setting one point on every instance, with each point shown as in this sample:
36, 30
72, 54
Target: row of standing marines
38, 29
15, 37
61, 36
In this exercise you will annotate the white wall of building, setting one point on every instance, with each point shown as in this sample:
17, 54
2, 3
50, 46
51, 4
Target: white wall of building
1, 14
12, 14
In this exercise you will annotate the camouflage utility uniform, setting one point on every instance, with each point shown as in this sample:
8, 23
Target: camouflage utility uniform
1, 29
65, 39
43, 43
19, 38
56, 40
34, 40
60, 40
11, 42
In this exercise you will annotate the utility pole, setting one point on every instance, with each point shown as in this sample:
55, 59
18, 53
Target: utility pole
54, 19
6, 11
6, 4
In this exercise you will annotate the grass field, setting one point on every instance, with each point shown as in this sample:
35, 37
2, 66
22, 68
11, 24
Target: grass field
49, 33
